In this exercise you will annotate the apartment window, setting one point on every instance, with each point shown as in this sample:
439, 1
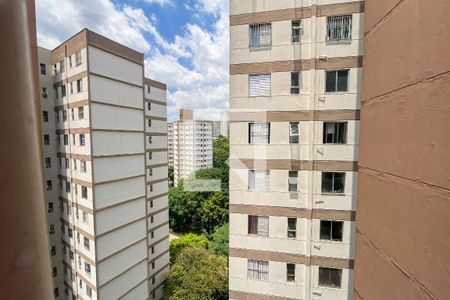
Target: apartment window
149, 123
48, 185
335, 132
85, 218
80, 284
258, 269
45, 116
258, 225
71, 87
83, 166
150, 172
70, 61
150, 155
260, 35
153, 265
153, 295
44, 92
330, 277
51, 229
152, 235
259, 85
149, 89
339, 28
294, 132
258, 180
84, 193
152, 219
66, 163
81, 113
151, 187
79, 85
82, 139
50, 207
151, 203
331, 230
87, 268
52, 251
78, 58
57, 116
89, 292
64, 114
63, 90
67, 187
333, 182
292, 181
153, 250
56, 292
66, 139
56, 93
336, 81
46, 139
43, 69
259, 133
295, 83
74, 164
48, 162
292, 227
78, 235
61, 66
296, 30
153, 279
149, 106
72, 113
149, 139
290, 272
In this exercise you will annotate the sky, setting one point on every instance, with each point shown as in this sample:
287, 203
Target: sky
185, 42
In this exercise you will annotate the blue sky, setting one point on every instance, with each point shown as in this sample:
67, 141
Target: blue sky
185, 42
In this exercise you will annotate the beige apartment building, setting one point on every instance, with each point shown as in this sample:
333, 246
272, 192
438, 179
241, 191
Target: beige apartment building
294, 134
192, 145
105, 153
170, 143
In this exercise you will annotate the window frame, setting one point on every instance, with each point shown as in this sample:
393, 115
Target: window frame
334, 190
290, 272
262, 135
258, 269
332, 225
260, 35
329, 279
254, 223
336, 81
252, 186
295, 89
338, 33
291, 232
252, 91
336, 135
296, 28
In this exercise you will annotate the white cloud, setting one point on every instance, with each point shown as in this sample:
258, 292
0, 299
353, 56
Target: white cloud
205, 85
160, 2
58, 20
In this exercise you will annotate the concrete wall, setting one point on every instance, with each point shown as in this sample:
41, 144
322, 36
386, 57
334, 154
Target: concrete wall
403, 222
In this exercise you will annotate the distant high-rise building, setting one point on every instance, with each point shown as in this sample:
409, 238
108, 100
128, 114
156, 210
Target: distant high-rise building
294, 121
192, 144
105, 154
224, 125
217, 131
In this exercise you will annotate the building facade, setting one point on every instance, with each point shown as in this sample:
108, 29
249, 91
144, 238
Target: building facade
294, 135
224, 126
170, 144
403, 224
105, 154
192, 145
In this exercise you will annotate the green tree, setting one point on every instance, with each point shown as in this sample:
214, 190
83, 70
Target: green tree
221, 152
170, 173
188, 240
185, 209
197, 274
214, 212
219, 241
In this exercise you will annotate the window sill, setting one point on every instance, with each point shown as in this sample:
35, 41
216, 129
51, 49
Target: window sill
333, 194
260, 48
339, 42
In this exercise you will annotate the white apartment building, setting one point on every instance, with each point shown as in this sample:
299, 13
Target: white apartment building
105, 152
193, 148
294, 132
224, 126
